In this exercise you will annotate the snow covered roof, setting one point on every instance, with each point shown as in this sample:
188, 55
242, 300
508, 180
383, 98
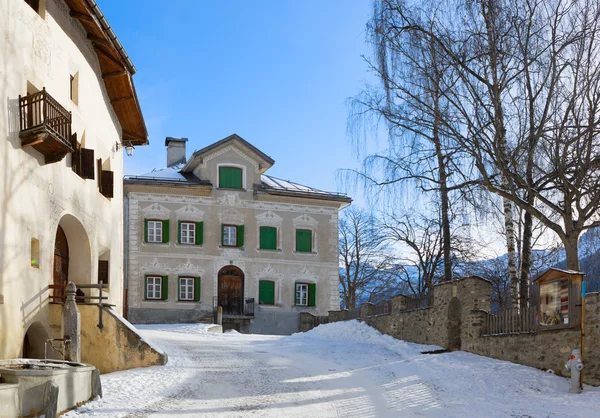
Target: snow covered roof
275, 185
166, 175
554, 269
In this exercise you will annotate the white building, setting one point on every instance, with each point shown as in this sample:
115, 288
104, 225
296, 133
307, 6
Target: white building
217, 230
68, 107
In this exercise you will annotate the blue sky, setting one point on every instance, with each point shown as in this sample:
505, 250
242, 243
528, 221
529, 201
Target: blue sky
277, 73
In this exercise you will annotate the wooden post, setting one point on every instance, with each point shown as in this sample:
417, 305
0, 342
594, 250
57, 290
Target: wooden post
219, 315
71, 325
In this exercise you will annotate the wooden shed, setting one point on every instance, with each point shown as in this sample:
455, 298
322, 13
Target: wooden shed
559, 298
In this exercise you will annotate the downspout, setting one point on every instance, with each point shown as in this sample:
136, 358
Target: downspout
126, 257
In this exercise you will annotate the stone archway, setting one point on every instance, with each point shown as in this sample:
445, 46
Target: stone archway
34, 342
454, 324
231, 290
72, 254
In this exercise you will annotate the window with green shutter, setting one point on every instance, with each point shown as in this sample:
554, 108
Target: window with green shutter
165, 231
165, 288
154, 287
268, 238
312, 294
199, 233
232, 235
266, 292
230, 178
196, 289
303, 240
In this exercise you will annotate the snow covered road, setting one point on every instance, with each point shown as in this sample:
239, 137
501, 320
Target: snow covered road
337, 370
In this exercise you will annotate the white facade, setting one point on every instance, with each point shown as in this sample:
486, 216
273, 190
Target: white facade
37, 51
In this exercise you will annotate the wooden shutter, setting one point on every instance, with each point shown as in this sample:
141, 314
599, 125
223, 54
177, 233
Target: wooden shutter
240, 235
312, 294
178, 232
164, 288
303, 240
165, 231
196, 289
107, 183
230, 177
87, 163
266, 292
145, 230
103, 271
145, 287
268, 238
199, 233
76, 155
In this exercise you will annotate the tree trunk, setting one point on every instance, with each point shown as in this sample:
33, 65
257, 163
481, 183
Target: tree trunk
572, 251
509, 230
525, 261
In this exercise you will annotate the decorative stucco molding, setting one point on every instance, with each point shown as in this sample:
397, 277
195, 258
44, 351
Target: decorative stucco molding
189, 213
305, 274
156, 210
231, 216
269, 218
155, 266
230, 199
188, 268
233, 148
269, 272
305, 221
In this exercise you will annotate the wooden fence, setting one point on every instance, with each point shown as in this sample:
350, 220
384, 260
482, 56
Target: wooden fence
511, 321
382, 308
421, 302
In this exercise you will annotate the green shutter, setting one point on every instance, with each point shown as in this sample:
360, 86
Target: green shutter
303, 240
240, 235
196, 289
268, 238
145, 287
178, 232
145, 230
266, 292
312, 294
165, 288
199, 233
165, 237
230, 177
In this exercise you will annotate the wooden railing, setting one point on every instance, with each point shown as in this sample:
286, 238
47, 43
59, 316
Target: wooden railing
421, 302
511, 321
40, 109
58, 293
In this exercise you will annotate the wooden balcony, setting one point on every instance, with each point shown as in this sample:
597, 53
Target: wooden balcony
45, 125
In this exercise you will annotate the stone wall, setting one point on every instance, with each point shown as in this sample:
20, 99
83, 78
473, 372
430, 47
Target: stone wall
457, 319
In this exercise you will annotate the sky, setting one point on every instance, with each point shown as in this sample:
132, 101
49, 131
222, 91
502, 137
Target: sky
277, 73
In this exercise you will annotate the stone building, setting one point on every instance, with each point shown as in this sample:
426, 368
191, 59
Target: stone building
216, 230
69, 107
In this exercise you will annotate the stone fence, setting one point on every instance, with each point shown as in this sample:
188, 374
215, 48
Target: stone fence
456, 319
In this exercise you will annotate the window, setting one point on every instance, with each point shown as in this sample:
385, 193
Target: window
187, 233
154, 287
230, 178
232, 235
103, 272
189, 289
154, 231
554, 303
35, 253
106, 179
306, 294
74, 88
268, 238
303, 240
266, 292
186, 288
35, 5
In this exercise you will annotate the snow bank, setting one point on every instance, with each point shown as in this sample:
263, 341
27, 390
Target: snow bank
181, 328
360, 332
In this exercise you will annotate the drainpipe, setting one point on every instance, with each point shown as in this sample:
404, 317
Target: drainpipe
126, 255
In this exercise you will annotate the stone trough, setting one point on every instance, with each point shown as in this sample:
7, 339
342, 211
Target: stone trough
49, 386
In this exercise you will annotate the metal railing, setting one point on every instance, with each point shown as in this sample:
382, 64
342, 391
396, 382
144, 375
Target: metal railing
512, 321
41, 109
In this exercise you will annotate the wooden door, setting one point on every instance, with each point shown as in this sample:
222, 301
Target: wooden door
61, 264
231, 290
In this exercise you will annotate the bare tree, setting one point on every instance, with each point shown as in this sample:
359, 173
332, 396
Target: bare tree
364, 258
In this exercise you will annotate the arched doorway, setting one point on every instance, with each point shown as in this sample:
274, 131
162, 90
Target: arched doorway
34, 342
454, 324
231, 290
61, 264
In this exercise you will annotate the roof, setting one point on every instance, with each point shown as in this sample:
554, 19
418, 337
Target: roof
116, 67
231, 138
170, 175
554, 269
274, 185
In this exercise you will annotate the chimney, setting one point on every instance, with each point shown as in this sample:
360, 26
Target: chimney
175, 150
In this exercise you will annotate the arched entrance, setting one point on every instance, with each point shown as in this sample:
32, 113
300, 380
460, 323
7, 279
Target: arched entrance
454, 323
34, 341
61, 264
231, 290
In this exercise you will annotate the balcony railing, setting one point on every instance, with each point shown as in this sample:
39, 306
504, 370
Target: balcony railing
45, 125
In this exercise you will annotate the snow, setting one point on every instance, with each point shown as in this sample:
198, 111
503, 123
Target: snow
345, 369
